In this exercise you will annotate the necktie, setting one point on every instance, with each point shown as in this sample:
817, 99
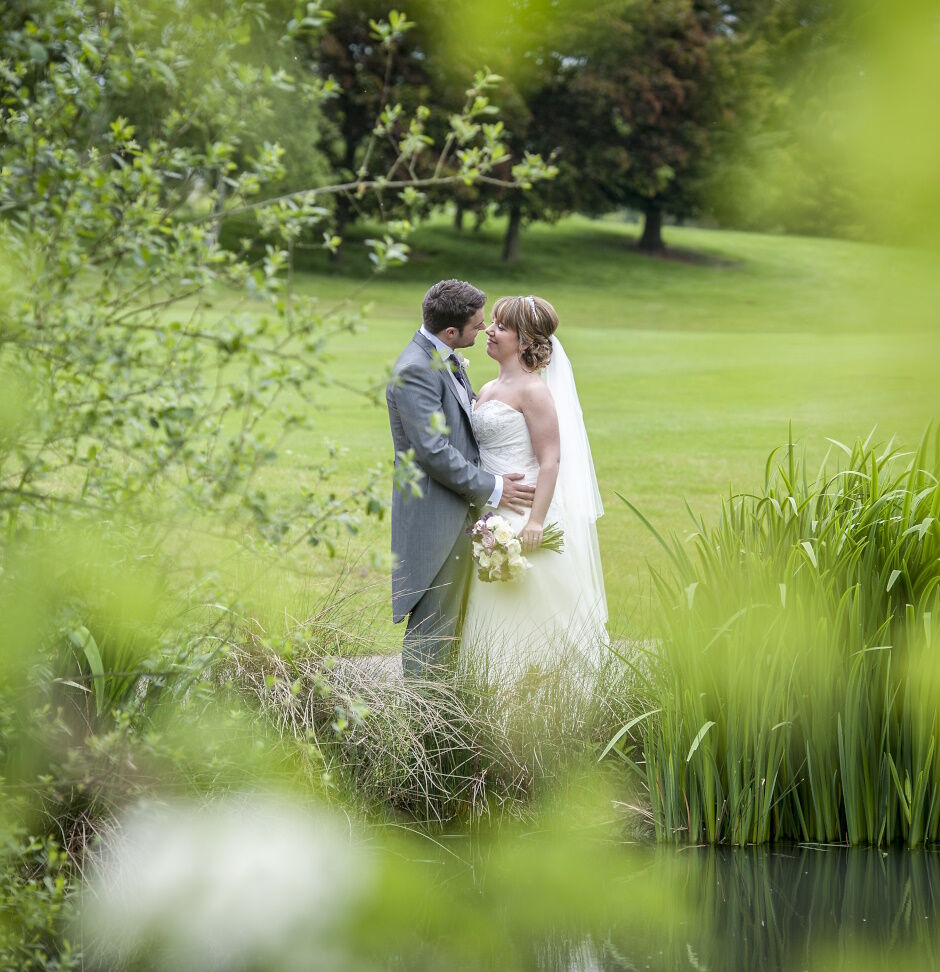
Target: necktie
461, 376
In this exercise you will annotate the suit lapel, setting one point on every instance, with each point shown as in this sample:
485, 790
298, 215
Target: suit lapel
429, 349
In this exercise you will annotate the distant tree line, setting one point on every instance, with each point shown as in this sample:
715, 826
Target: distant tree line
671, 108
681, 109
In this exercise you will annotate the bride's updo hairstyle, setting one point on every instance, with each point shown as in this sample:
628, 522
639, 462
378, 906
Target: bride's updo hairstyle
534, 320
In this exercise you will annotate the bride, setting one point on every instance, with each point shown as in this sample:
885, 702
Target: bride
529, 419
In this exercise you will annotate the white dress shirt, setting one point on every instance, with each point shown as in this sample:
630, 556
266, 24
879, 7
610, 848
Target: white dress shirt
446, 351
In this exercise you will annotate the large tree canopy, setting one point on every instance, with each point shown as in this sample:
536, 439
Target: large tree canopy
661, 73
630, 99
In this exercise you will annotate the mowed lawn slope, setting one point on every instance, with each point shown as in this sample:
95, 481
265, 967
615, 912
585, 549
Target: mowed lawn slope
689, 368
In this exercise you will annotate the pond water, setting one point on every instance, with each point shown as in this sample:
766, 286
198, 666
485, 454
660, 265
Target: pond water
789, 908
284, 889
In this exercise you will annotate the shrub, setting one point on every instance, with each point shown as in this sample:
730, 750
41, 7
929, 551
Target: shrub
37, 903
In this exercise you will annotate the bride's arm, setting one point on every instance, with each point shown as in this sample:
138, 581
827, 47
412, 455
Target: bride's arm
542, 421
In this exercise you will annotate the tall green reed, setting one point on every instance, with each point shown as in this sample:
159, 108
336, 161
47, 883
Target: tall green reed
796, 676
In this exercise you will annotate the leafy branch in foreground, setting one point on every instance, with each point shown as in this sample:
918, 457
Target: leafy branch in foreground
141, 385
147, 376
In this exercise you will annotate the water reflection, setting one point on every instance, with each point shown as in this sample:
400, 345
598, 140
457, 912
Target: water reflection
797, 907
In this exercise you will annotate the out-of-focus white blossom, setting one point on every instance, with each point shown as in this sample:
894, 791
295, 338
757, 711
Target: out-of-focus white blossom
227, 884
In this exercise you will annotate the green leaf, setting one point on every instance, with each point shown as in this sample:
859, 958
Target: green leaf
623, 730
699, 737
841, 445
84, 641
37, 52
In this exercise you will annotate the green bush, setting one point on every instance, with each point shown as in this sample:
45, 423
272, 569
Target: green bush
37, 904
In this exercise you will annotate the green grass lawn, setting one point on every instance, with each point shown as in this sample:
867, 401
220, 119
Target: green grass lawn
689, 368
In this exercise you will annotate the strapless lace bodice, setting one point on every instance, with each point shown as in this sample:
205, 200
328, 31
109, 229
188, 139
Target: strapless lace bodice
503, 437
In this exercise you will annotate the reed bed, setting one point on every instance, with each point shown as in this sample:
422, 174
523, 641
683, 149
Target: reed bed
794, 692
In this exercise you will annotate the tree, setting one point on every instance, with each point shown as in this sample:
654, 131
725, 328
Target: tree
230, 72
664, 71
631, 100
562, 121
532, 48
366, 77
139, 395
784, 167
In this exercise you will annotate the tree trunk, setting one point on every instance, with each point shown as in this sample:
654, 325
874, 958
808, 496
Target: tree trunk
345, 213
511, 241
340, 222
218, 204
459, 211
652, 239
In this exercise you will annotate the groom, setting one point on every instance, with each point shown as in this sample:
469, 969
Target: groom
431, 548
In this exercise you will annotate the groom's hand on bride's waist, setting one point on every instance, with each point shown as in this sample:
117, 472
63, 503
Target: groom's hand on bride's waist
517, 496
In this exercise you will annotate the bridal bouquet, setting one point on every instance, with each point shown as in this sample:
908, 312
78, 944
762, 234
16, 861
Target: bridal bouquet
497, 550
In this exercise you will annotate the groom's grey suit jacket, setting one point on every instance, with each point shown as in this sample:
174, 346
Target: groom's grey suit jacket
425, 528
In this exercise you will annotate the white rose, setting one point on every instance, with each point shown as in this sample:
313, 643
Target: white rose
497, 558
495, 522
504, 534
513, 548
484, 560
477, 549
518, 564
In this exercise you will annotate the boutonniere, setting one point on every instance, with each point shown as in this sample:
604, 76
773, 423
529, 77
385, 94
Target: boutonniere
464, 362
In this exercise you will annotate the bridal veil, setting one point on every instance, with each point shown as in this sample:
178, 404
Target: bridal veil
577, 483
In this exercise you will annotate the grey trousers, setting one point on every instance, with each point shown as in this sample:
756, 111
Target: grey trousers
433, 629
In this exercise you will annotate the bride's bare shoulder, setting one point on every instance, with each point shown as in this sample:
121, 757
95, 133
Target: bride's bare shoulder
536, 396
481, 394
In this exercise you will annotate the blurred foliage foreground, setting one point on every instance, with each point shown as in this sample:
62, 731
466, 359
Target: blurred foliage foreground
180, 789
227, 801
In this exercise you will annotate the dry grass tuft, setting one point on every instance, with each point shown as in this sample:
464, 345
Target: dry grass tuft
434, 751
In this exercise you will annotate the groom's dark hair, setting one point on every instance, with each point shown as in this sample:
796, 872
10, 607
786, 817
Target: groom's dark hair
450, 303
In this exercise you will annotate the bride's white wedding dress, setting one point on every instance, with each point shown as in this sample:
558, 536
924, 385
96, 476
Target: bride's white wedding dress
555, 612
